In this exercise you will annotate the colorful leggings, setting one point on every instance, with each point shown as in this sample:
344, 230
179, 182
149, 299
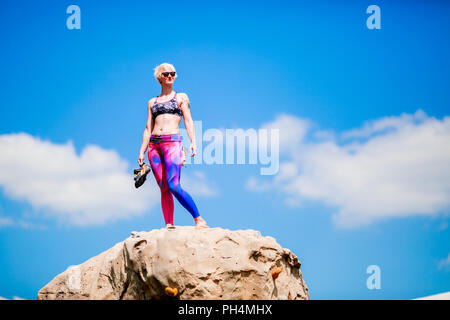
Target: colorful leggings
165, 155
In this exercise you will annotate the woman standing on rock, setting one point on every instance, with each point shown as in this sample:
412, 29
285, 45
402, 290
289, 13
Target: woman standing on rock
163, 139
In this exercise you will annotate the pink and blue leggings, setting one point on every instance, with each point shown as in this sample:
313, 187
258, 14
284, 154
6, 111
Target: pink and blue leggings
165, 155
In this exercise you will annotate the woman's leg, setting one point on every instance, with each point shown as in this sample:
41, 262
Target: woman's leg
157, 165
172, 153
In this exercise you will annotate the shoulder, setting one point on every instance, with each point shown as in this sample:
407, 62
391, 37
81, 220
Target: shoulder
183, 97
182, 94
151, 102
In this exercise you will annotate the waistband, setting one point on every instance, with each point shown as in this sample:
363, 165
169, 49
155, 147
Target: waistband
166, 137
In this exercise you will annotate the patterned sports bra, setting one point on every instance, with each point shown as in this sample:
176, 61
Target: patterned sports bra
170, 106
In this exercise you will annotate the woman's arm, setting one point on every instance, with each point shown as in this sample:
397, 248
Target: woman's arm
188, 123
148, 128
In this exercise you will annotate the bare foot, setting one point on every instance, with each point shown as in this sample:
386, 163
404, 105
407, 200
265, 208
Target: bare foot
200, 223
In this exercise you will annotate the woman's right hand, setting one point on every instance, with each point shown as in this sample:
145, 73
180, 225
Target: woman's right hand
141, 159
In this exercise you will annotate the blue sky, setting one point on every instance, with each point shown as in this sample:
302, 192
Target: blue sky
364, 176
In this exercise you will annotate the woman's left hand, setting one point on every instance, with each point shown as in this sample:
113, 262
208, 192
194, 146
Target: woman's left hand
193, 149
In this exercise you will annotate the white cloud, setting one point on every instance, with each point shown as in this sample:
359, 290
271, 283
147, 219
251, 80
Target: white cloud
258, 186
196, 184
445, 263
9, 222
292, 131
384, 124
325, 135
4, 222
401, 169
440, 296
14, 298
91, 188
23, 223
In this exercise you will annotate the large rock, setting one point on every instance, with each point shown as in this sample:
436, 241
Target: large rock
210, 263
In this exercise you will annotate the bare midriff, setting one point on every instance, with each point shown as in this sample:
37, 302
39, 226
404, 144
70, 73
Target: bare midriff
166, 124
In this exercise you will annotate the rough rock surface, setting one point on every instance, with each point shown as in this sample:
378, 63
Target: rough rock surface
212, 263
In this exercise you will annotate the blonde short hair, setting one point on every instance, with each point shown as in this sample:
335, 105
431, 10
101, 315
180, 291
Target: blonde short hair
159, 70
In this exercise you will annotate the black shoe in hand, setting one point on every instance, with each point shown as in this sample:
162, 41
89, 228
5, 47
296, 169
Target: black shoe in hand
140, 175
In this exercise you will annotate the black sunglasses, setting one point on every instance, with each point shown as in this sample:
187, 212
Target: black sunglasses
166, 74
